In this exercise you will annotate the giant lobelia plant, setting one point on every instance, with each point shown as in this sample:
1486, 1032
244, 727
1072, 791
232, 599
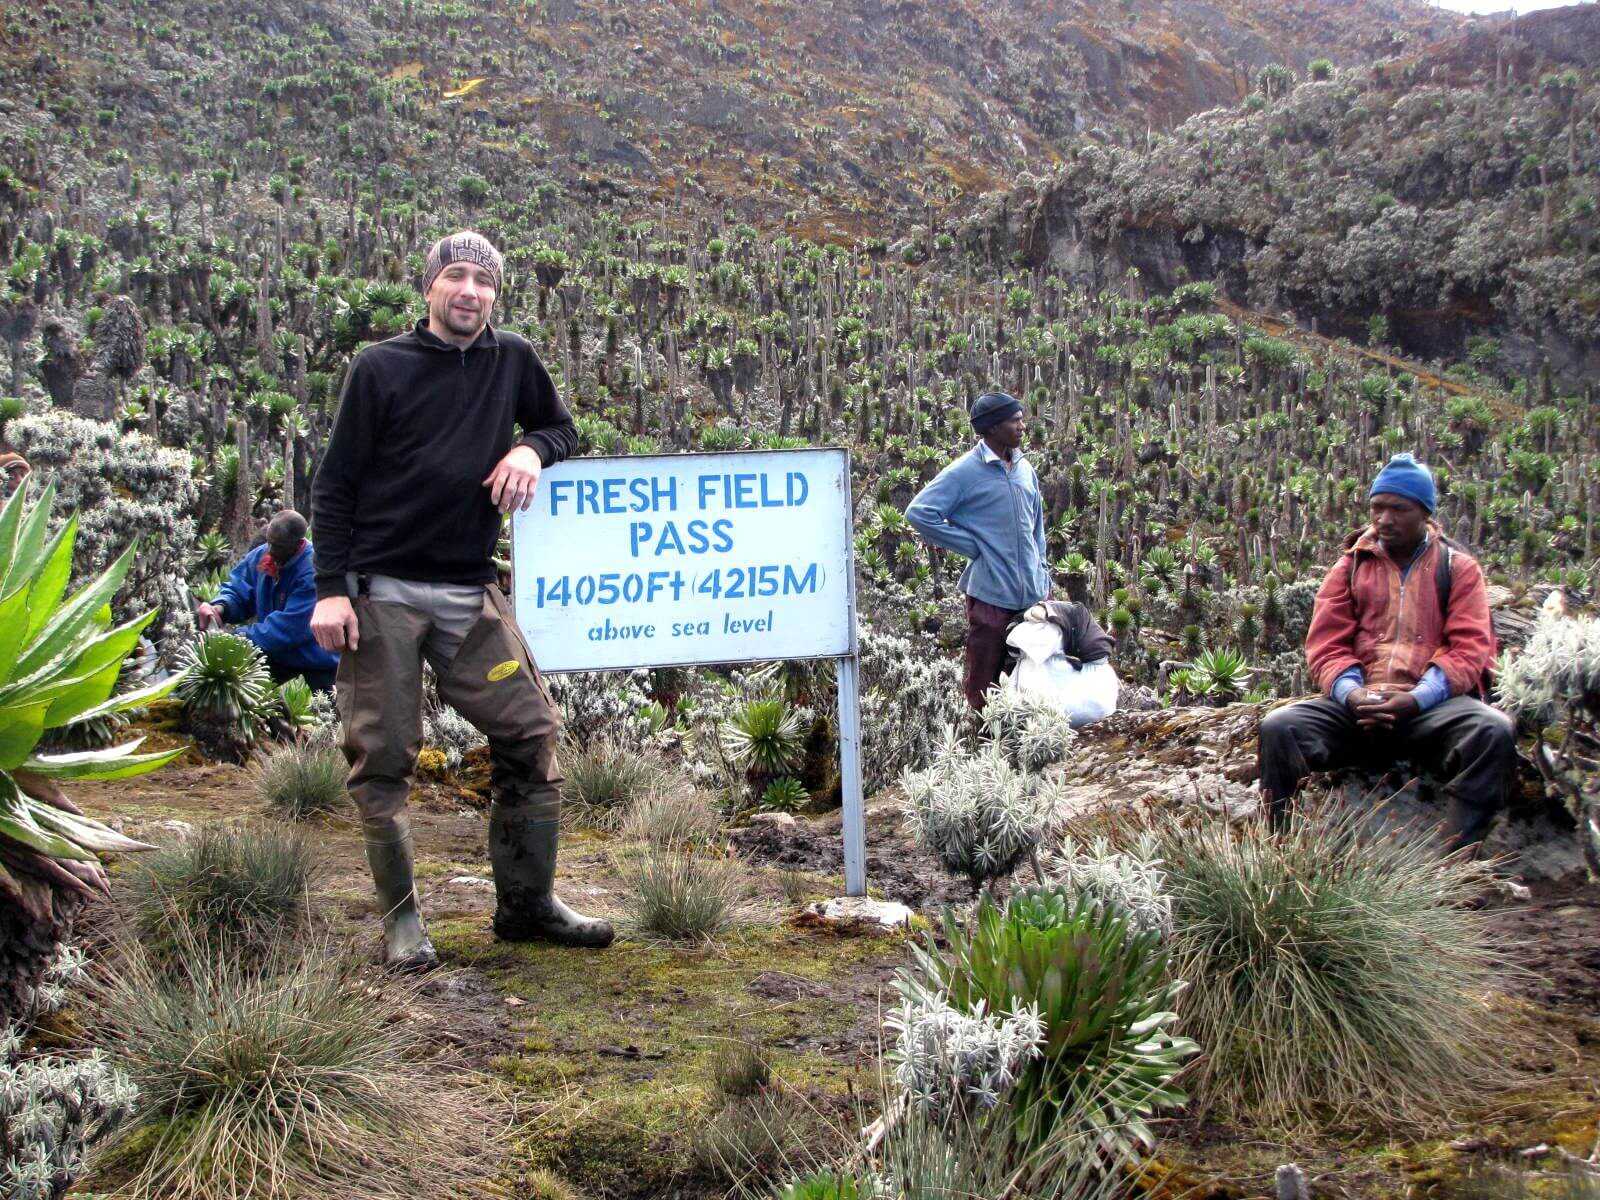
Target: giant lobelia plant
1101, 989
60, 656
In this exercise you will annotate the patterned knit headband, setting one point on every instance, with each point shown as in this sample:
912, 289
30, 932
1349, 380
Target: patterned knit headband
467, 247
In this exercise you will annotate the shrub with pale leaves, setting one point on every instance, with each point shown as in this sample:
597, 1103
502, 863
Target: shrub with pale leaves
976, 812
951, 1063
908, 697
1555, 680
603, 704
1131, 880
1032, 732
1557, 672
67, 970
124, 488
52, 1109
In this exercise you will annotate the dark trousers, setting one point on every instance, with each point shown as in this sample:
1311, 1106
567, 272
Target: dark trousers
1463, 741
491, 681
986, 648
319, 681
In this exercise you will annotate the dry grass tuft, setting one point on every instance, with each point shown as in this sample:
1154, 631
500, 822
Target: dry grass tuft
279, 1079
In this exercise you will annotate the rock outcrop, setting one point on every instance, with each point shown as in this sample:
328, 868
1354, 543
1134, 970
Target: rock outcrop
1436, 190
1173, 759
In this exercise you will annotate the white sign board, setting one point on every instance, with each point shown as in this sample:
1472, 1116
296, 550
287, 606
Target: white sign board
676, 559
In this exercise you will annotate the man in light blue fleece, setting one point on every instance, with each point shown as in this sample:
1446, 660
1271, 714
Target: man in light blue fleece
986, 506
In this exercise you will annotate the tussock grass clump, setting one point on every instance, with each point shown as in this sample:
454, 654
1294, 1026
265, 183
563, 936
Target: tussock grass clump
665, 817
1496, 1181
753, 1139
796, 886
603, 780
277, 1079
243, 885
684, 893
1331, 972
299, 782
740, 1068
547, 1185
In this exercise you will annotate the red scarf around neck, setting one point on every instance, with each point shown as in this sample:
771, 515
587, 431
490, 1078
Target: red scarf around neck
271, 566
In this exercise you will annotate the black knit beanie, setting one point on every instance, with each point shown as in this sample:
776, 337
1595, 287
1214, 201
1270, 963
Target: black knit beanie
465, 246
991, 408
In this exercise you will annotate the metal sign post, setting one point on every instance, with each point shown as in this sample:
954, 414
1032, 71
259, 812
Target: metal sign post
699, 560
854, 814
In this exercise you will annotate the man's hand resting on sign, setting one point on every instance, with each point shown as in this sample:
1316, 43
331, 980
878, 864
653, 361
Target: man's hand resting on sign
512, 482
334, 624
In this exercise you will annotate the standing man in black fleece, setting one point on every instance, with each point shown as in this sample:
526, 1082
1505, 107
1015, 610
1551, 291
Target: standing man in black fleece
407, 505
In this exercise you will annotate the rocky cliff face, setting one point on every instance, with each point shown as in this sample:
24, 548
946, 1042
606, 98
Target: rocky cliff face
1453, 193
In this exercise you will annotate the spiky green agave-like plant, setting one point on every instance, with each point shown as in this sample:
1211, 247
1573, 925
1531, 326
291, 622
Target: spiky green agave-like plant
60, 656
1101, 986
227, 692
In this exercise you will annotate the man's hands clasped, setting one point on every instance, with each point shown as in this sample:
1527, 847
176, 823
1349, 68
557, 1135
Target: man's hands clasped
1381, 711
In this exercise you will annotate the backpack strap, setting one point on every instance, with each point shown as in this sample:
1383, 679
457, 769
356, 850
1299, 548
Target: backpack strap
1442, 571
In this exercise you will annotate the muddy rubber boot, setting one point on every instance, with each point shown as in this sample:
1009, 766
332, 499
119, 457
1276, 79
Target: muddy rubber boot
523, 853
405, 940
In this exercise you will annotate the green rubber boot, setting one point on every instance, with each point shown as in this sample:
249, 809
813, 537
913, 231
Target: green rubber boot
405, 939
523, 853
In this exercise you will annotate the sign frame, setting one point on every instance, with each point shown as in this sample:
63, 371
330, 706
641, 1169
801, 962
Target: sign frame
847, 665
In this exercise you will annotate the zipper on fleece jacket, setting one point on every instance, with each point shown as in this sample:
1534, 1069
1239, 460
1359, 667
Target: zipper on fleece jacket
1016, 515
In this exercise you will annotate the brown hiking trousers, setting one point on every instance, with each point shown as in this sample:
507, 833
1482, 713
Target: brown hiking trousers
987, 626
491, 681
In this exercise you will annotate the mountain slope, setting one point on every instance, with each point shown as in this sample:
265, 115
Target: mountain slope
839, 114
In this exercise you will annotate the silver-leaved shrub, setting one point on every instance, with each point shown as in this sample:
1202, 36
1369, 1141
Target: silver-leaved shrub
125, 489
974, 811
952, 1064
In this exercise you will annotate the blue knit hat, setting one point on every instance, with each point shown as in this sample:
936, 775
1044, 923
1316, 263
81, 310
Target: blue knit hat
1405, 476
991, 408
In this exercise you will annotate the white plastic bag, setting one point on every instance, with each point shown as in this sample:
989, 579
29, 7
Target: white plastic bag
1087, 693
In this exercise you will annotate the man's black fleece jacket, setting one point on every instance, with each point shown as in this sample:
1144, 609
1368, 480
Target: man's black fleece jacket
421, 424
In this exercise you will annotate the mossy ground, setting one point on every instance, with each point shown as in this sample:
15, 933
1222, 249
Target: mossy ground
607, 1057
615, 1052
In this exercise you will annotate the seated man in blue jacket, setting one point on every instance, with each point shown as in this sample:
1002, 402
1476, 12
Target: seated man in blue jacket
274, 586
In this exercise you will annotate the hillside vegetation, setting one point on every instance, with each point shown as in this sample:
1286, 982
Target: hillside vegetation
1196, 472
1447, 201
739, 226
837, 118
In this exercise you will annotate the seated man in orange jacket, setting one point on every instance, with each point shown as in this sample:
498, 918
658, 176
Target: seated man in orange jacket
1400, 641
